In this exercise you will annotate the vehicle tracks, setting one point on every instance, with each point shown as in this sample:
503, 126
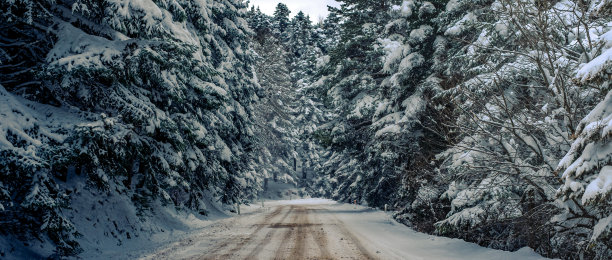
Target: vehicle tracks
288, 232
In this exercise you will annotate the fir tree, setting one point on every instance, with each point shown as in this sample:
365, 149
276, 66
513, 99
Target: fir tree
280, 21
158, 101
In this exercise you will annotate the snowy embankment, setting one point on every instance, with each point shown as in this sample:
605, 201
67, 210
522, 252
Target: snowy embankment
379, 232
347, 229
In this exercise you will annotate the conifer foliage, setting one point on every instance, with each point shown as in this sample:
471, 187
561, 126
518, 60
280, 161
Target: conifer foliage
464, 114
149, 100
486, 120
288, 54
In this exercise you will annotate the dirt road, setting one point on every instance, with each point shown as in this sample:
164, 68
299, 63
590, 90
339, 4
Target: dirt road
321, 229
284, 232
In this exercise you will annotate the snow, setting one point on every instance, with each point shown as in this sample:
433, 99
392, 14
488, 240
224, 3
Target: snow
406, 8
380, 233
376, 231
414, 105
411, 61
459, 26
145, 6
307, 201
596, 66
133, 235
362, 104
452, 5
418, 35
585, 156
427, 8
392, 118
601, 227
600, 63
390, 129
20, 117
208, 87
75, 48
394, 51
600, 186
322, 61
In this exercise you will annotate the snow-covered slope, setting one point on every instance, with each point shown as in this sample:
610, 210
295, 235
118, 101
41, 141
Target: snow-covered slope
152, 113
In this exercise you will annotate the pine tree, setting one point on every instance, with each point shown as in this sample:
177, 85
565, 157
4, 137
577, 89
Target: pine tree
275, 112
330, 31
586, 191
514, 119
280, 21
299, 35
159, 105
260, 23
287, 116
586, 170
377, 78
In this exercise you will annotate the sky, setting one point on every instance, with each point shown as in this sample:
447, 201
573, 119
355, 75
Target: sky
314, 8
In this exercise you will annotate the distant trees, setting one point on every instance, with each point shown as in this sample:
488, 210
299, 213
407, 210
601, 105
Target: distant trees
280, 21
260, 23
375, 82
287, 116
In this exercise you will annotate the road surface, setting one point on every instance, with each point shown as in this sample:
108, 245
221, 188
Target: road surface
321, 229
284, 232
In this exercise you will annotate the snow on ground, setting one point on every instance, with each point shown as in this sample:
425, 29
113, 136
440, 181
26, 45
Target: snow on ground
283, 191
319, 228
379, 232
113, 229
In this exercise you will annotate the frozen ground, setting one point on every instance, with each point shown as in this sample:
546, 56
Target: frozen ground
319, 229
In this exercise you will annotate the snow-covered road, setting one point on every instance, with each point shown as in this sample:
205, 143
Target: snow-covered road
321, 229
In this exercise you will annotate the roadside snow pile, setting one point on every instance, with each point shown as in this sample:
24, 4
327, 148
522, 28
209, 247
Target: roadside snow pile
379, 233
114, 228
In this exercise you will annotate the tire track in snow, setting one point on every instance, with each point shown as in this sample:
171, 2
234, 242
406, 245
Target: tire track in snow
268, 238
300, 236
320, 239
280, 251
243, 240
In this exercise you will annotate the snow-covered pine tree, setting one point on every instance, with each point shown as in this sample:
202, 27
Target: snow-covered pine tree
300, 30
275, 113
509, 65
348, 87
377, 78
585, 195
260, 23
153, 102
586, 170
413, 50
328, 33
303, 49
281, 22
31, 203
287, 116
